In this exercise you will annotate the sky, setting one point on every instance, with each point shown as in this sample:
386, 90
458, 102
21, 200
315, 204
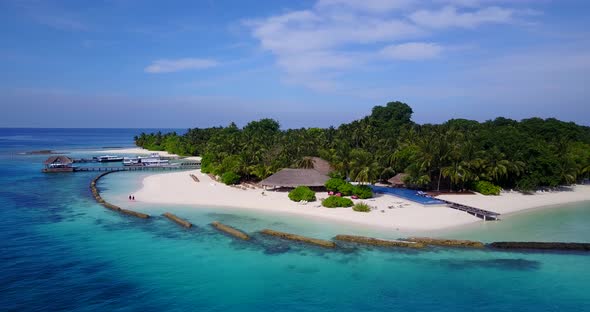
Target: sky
311, 63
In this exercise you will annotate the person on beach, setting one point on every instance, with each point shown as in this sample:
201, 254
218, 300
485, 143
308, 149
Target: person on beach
132, 197
129, 197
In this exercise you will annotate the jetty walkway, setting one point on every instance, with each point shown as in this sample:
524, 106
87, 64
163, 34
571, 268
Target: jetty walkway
480, 213
182, 166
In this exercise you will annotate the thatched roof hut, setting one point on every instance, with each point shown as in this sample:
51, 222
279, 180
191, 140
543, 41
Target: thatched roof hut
58, 160
296, 177
398, 179
321, 165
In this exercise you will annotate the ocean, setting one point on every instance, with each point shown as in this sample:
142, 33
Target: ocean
60, 250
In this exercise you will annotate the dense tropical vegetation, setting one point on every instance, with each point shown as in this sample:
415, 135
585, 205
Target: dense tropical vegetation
336, 202
347, 189
455, 155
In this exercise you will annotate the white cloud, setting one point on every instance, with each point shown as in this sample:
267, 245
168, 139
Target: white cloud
311, 44
366, 5
168, 66
336, 37
302, 31
411, 51
450, 17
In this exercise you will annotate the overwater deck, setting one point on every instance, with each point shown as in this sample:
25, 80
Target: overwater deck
480, 213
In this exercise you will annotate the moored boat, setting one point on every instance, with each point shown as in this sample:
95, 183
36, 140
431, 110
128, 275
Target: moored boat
152, 162
108, 158
131, 161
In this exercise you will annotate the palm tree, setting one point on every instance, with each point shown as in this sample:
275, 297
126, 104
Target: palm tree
476, 168
456, 172
567, 171
424, 157
261, 171
363, 167
417, 175
364, 175
518, 167
496, 167
305, 163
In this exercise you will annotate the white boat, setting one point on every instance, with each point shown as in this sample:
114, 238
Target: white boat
154, 162
131, 161
108, 158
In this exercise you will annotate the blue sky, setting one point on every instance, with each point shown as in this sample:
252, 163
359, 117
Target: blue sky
126, 63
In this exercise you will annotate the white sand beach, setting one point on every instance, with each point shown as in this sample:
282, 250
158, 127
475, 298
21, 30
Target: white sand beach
179, 188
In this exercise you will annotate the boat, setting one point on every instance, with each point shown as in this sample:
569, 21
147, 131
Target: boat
108, 158
153, 161
131, 161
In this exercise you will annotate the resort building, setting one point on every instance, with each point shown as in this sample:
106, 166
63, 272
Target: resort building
314, 177
398, 180
290, 178
58, 164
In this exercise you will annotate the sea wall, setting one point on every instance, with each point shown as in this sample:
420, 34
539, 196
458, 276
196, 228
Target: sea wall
542, 246
446, 242
378, 242
178, 220
100, 200
294, 237
230, 230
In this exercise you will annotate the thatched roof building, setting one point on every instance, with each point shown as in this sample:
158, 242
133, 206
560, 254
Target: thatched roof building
296, 177
321, 165
58, 160
398, 179
58, 164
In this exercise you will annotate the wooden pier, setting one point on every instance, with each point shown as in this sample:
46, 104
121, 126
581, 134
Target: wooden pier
96, 194
188, 166
480, 213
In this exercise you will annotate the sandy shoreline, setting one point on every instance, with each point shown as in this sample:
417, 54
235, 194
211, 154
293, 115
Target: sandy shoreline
179, 188
512, 202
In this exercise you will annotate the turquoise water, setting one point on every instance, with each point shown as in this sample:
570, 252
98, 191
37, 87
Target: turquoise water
62, 251
565, 223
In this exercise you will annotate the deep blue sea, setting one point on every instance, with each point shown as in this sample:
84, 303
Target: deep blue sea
60, 250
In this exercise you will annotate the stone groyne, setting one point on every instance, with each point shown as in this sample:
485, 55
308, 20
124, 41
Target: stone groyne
178, 220
230, 230
378, 242
100, 200
294, 237
446, 242
542, 246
